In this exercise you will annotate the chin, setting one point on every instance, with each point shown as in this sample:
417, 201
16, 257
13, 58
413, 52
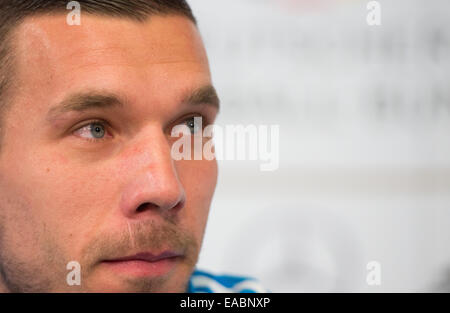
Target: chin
136, 285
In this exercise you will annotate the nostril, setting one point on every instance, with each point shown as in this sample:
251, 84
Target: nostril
179, 205
145, 206
152, 206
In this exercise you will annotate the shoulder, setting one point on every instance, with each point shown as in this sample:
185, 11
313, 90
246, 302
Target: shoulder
205, 282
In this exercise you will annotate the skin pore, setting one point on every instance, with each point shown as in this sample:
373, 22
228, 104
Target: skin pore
86, 172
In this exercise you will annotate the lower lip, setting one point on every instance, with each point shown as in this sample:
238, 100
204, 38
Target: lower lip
141, 268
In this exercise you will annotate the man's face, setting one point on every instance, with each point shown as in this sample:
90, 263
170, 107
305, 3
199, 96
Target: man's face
86, 172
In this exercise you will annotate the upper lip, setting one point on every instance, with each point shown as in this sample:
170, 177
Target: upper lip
146, 256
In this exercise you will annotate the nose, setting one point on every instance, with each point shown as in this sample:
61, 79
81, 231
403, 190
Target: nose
152, 182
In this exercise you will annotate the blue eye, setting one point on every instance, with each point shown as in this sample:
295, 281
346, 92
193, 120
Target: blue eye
97, 131
94, 130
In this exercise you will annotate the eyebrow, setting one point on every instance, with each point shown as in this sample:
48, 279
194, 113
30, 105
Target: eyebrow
204, 95
80, 102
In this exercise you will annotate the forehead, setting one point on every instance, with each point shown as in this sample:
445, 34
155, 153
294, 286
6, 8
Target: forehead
113, 53
51, 36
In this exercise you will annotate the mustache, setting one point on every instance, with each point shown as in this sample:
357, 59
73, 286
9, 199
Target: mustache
138, 237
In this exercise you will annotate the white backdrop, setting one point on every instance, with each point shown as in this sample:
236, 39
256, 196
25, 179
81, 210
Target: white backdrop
364, 115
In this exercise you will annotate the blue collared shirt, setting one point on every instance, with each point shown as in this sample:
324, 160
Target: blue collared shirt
203, 282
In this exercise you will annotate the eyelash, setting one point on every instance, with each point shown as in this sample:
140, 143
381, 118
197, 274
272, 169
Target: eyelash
106, 125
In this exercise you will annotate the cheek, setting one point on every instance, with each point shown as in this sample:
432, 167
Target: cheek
79, 196
67, 198
199, 179
31, 231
